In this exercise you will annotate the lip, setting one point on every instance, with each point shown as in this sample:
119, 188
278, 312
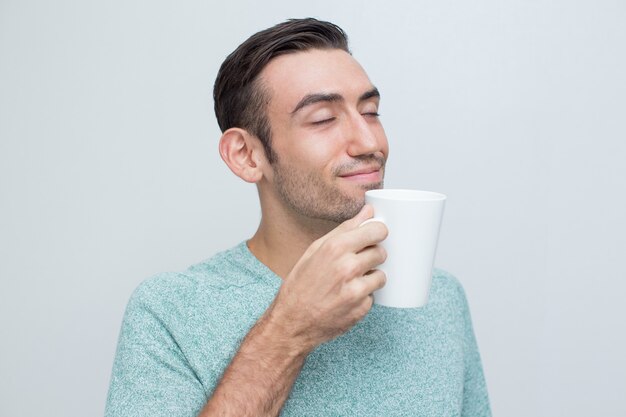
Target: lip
371, 174
361, 171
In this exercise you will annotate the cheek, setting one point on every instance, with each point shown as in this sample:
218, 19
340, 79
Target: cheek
321, 151
315, 151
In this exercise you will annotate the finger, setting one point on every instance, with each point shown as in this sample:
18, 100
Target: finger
369, 283
368, 302
370, 234
370, 258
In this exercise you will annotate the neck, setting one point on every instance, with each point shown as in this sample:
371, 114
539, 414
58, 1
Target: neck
283, 236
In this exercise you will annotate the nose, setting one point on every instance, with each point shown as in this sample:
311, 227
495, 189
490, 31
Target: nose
363, 136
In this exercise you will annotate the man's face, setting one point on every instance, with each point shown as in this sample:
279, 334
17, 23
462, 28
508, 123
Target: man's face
329, 142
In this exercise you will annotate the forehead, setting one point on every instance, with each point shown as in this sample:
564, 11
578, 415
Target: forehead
290, 77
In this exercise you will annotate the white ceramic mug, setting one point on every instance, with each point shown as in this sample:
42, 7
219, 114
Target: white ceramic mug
413, 219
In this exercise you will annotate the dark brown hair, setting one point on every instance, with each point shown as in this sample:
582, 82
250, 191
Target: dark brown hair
240, 100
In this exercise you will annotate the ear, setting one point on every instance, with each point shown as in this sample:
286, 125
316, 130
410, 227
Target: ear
243, 154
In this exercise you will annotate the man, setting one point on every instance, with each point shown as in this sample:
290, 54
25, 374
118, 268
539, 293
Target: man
285, 323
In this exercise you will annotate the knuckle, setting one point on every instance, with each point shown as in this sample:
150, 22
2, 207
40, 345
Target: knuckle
364, 307
316, 315
357, 317
357, 314
333, 246
349, 269
352, 293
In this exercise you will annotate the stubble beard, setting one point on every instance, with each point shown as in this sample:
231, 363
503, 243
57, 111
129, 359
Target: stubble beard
308, 195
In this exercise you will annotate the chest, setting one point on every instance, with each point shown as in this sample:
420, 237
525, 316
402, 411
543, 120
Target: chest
391, 364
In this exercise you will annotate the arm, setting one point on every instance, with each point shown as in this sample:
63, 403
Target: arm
475, 397
151, 375
326, 293
259, 378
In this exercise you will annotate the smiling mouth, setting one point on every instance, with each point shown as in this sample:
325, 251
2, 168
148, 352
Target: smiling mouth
364, 175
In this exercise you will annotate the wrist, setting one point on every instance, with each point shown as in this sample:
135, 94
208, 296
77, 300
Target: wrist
280, 331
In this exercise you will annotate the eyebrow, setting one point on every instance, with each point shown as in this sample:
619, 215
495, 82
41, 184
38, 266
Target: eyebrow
310, 99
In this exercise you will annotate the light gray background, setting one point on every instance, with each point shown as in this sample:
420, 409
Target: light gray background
109, 173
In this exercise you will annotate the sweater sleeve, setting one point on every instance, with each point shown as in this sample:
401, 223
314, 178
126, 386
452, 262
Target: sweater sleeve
151, 376
475, 397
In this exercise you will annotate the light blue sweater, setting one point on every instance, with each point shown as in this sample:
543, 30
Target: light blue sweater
181, 330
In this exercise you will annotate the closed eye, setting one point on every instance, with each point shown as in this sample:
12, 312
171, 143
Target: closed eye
321, 122
372, 114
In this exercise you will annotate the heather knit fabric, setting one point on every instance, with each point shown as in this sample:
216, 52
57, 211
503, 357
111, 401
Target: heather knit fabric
181, 330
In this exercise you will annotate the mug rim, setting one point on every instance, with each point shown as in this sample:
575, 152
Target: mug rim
405, 194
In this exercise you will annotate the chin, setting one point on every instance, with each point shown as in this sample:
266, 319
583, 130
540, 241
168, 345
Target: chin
358, 192
373, 186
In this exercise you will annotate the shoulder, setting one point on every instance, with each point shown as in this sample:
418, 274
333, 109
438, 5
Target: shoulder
447, 290
161, 286
445, 280
216, 274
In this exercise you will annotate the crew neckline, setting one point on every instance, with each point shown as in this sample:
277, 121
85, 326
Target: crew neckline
255, 266
250, 262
